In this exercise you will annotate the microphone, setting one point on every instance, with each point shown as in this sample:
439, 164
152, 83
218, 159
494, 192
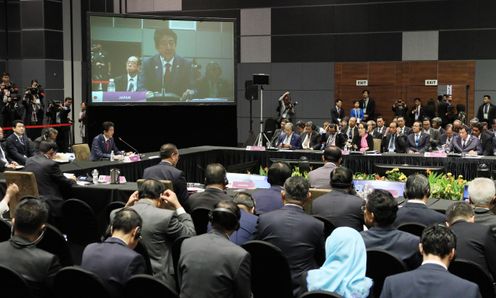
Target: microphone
134, 149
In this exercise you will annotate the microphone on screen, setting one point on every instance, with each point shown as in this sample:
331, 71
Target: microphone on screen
134, 149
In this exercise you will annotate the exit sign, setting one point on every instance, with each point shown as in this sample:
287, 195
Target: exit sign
431, 82
362, 82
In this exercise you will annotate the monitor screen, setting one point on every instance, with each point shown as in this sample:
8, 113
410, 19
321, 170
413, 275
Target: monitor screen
141, 60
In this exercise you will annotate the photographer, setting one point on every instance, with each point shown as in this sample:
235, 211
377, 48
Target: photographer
399, 108
33, 100
286, 108
9, 100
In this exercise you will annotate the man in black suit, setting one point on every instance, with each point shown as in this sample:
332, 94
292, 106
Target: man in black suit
104, 143
368, 106
114, 260
167, 72
390, 140
487, 111
337, 112
381, 128
212, 266
5, 161
475, 242
20, 253
447, 137
310, 139
339, 206
481, 192
380, 213
485, 138
402, 128
432, 279
297, 234
417, 111
18, 146
62, 117
212, 85
415, 210
352, 129
418, 142
166, 170
465, 143
270, 199
215, 189
132, 81
277, 133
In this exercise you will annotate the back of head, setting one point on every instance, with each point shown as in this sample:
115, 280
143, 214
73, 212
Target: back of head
46, 146
245, 199
296, 189
438, 240
151, 189
481, 191
126, 220
278, 173
341, 178
215, 173
332, 154
459, 211
225, 216
30, 215
417, 187
167, 150
384, 207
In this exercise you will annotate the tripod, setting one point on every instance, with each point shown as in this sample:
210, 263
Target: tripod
261, 136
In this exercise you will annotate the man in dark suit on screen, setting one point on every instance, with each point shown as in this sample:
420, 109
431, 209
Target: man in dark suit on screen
432, 278
166, 72
132, 81
166, 170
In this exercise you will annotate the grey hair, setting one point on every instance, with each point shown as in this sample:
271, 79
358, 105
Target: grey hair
296, 188
481, 191
417, 187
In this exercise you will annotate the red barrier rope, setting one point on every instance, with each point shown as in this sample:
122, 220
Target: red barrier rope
42, 126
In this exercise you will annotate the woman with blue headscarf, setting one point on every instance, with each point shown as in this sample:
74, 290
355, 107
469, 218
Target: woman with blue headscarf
344, 269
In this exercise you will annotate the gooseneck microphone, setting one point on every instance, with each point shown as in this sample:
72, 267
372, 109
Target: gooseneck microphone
134, 149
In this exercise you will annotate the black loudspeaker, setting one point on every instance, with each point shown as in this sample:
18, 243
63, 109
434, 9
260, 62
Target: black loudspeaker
260, 79
251, 90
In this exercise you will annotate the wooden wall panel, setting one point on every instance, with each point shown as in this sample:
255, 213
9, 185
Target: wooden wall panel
415, 73
348, 73
383, 73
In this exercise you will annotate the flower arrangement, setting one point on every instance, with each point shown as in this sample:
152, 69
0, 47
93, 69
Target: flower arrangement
296, 172
395, 175
446, 186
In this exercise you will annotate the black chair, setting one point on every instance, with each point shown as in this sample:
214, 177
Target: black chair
381, 264
270, 127
270, 275
5, 230
75, 282
111, 207
139, 283
320, 294
200, 220
328, 226
473, 272
412, 228
141, 249
176, 254
54, 242
13, 284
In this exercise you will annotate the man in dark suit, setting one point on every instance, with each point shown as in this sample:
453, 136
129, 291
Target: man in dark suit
368, 106
486, 111
167, 72
215, 189
415, 210
416, 112
18, 145
352, 129
298, 235
337, 112
289, 139
380, 213
339, 206
114, 260
465, 143
212, 266
212, 85
247, 221
20, 253
432, 279
418, 142
277, 133
5, 161
390, 140
481, 192
104, 143
310, 139
166, 170
132, 81
402, 128
485, 138
474, 242
381, 128
270, 199
447, 137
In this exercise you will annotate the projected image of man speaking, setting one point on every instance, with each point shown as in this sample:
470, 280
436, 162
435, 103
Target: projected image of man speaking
167, 75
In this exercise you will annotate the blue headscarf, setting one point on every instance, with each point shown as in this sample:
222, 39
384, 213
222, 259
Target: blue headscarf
344, 269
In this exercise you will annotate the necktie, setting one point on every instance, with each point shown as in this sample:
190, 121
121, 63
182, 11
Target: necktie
463, 144
106, 146
167, 75
486, 108
417, 137
131, 85
391, 143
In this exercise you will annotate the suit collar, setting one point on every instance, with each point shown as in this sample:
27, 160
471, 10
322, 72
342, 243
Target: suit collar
116, 241
415, 205
432, 266
293, 207
214, 190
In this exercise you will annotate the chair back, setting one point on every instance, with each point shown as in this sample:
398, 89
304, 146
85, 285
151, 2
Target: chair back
316, 192
377, 145
76, 282
381, 264
412, 228
79, 222
473, 272
176, 254
13, 284
141, 249
167, 183
328, 226
54, 242
140, 282
270, 275
5, 230
27, 187
106, 215
320, 294
200, 220
81, 151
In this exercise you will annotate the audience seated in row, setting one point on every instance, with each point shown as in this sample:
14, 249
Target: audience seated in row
270, 199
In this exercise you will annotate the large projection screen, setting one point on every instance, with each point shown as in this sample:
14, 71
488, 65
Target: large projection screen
150, 60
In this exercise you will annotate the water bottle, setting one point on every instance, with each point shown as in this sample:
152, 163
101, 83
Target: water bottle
95, 176
111, 86
112, 155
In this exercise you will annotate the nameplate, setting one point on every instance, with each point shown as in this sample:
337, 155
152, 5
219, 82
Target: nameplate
255, 148
101, 96
435, 154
